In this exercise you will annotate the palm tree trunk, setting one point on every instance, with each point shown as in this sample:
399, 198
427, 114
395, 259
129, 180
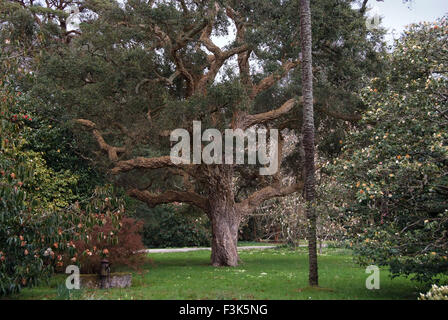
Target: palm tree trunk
308, 136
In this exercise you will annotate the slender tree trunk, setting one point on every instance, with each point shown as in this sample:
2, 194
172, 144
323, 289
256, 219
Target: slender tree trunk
308, 136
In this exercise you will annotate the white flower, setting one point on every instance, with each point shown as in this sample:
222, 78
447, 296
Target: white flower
47, 252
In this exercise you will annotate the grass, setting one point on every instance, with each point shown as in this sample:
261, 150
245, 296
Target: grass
264, 274
254, 243
240, 244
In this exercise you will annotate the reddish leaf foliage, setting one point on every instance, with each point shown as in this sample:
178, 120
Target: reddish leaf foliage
103, 243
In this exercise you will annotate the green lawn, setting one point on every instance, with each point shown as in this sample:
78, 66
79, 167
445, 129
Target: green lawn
254, 243
266, 274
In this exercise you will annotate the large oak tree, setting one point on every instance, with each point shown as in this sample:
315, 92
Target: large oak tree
139, 69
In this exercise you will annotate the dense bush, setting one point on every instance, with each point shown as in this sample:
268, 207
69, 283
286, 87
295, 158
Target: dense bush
174, 226
33, 237
27, 235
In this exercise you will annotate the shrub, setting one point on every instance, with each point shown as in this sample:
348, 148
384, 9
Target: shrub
174, 226
118, 243
436, 293
29, 229
26, 239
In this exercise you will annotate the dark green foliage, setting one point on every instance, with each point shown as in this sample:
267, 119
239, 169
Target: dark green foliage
173, 226
59, 148
252, 230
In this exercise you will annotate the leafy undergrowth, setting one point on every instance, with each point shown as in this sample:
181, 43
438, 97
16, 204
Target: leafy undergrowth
268, 274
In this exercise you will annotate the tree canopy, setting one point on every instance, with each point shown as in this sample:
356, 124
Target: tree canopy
137, 70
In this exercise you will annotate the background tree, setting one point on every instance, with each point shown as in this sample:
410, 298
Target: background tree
174, 225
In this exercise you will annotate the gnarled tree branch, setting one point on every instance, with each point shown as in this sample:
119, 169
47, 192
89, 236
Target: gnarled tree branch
144, 163
249, 204
245, 121
249, 120
270, 80
170, 196
111, 151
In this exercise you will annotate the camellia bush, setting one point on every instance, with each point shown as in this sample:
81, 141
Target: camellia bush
394, 168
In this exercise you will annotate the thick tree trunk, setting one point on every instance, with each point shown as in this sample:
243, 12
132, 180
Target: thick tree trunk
224, 216
225, 224
308, 136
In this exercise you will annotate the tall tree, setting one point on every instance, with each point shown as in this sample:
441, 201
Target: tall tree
308, 136
139, 69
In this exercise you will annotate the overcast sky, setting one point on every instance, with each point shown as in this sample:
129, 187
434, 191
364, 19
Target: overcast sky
396, 14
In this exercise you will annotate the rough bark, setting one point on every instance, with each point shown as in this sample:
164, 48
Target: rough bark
225, 217
169, 196
225, 220
308, 136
